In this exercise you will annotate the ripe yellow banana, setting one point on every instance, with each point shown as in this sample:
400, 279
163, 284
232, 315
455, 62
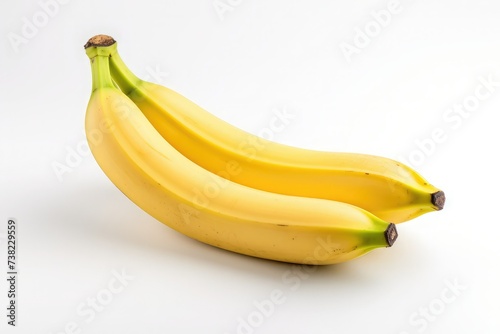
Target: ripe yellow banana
387, 188
207, 207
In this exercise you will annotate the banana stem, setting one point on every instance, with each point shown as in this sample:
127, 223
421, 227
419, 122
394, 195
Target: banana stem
101, 77
122, 75
98, 49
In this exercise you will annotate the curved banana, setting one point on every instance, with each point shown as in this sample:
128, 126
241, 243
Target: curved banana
387, 188
207, 207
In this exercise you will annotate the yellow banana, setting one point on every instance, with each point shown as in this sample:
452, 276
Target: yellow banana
207, 207
387, 188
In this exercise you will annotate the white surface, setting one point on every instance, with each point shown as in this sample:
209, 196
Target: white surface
76, 233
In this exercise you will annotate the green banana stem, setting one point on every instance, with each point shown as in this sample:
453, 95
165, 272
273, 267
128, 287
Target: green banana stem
101, 76
122, 75
98, 49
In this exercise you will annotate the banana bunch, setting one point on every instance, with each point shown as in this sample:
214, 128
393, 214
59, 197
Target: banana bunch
198, 175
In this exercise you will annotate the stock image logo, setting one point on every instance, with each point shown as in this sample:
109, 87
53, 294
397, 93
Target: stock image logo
87, 311
32, 24
364, 36
223, 7
452, 119
422, 319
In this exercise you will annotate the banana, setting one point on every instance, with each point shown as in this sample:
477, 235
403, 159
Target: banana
387, 188
207, 207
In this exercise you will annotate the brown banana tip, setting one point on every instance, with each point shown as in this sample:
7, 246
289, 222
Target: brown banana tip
99, 40
438, 199
391, 234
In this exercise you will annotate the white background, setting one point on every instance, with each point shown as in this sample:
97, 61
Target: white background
77, 231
